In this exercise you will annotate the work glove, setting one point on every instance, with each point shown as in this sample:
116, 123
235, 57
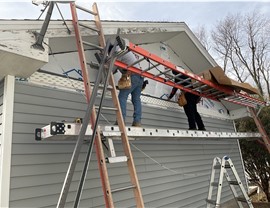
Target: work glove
144, 84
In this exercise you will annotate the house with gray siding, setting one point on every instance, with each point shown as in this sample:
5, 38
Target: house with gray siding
35, 90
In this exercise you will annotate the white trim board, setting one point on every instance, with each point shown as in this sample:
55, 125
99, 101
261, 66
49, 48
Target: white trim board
6, 140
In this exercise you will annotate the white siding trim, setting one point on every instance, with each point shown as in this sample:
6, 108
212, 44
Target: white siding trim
241, 156
8, 103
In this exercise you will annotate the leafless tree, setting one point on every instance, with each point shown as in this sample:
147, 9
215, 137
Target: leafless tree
202, 34
243, 45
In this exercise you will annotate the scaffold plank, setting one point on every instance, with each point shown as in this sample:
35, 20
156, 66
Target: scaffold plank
70, 130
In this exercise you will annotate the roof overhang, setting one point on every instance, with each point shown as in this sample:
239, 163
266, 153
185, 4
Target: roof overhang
176, 34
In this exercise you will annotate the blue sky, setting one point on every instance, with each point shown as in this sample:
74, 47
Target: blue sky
195, 14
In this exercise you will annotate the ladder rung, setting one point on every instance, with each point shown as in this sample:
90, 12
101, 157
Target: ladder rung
107, 108
123, 189
169, 79
195, 83
221, 95
148, 69
161, 73
216, 184
184, 80
92, 45
215, 93
178, 75
91, 28
234, 183
241, 199
86, 10
209, 90
200, 87
210, 201
116, 159
190, 85
109, 87
136, 62
219, 166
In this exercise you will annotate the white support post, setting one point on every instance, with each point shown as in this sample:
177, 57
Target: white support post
241, 156
6, 140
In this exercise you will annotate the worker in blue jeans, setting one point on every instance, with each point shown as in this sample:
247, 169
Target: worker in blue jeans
135, 90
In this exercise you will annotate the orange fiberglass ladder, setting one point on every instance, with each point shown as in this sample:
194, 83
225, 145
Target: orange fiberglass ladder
91, 113
198, 85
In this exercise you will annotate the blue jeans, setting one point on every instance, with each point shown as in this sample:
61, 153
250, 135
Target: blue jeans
135, 90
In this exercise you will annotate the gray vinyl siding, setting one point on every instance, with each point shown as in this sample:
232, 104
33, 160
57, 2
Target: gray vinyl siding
38, 168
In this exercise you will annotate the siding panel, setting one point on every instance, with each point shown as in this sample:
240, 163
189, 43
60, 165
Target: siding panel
179, 179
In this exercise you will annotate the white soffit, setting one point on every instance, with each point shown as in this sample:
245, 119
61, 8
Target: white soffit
68, 44
235, 109
17, 56
136, 32
189, 53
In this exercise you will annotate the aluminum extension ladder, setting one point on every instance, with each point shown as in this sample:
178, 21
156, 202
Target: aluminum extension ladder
223, 165
104, 70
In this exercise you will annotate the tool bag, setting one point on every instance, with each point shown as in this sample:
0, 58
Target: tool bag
124, 82
182, 99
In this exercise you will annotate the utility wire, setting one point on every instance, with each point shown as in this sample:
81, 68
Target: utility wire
163, 166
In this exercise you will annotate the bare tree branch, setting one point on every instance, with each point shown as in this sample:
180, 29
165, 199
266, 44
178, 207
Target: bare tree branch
243, 43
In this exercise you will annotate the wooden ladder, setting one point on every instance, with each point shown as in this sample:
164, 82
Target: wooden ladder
90, 96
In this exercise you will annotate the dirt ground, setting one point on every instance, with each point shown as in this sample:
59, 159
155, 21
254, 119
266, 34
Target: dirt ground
261, 204
258, 201
258, 197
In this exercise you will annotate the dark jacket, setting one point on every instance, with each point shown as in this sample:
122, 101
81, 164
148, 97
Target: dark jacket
191, 98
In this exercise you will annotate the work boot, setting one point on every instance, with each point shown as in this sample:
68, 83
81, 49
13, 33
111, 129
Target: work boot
202, 129
136, 124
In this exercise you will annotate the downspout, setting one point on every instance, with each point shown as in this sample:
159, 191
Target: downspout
6, 139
